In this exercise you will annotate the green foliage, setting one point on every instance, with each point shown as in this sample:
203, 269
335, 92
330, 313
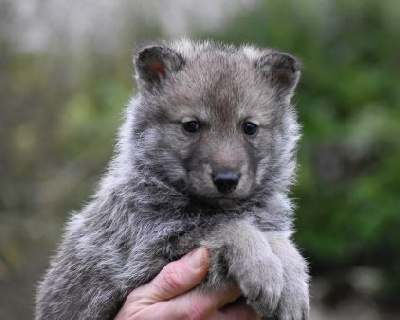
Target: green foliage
58, 122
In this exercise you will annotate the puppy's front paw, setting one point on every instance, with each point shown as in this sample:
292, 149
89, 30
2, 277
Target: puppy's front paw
262, 286
294, 303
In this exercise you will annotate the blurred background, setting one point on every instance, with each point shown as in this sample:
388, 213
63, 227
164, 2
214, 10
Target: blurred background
66, 75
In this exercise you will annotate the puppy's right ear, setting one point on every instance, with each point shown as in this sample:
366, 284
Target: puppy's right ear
155, 64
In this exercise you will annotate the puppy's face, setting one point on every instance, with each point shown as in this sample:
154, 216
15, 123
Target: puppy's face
210, 125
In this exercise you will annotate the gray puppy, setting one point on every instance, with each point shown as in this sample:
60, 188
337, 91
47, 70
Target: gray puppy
205, 158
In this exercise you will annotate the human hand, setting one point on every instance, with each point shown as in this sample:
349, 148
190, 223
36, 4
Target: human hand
168, 295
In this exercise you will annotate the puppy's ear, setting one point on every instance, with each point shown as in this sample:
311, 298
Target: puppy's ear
281, 70
155, 64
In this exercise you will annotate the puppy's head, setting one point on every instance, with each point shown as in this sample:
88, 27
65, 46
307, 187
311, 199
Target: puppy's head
215, 121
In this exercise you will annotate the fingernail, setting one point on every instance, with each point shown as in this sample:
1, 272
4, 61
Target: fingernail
196, 257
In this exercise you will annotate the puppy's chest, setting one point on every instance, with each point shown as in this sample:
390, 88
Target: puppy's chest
195, 232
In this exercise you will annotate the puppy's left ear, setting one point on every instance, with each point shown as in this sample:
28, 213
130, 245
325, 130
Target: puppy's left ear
281, 70
155, 64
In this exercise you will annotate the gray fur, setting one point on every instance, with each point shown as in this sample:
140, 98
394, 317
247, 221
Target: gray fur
157, 200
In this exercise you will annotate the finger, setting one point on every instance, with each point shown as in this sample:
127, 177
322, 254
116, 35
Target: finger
175, 278
218, 298
180, 276
193, 305
239, 310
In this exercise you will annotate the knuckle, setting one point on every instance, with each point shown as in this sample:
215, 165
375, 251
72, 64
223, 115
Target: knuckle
171, 278
196, 310
134, 297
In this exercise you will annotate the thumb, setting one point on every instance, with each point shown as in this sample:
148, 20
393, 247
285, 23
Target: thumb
180, 276
174, 279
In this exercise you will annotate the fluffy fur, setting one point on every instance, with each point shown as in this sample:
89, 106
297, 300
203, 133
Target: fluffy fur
158, 199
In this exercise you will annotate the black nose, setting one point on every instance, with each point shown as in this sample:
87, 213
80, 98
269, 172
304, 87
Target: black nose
226, 182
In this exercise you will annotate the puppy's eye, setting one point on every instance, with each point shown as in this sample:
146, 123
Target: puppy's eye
191, 126
250, 128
